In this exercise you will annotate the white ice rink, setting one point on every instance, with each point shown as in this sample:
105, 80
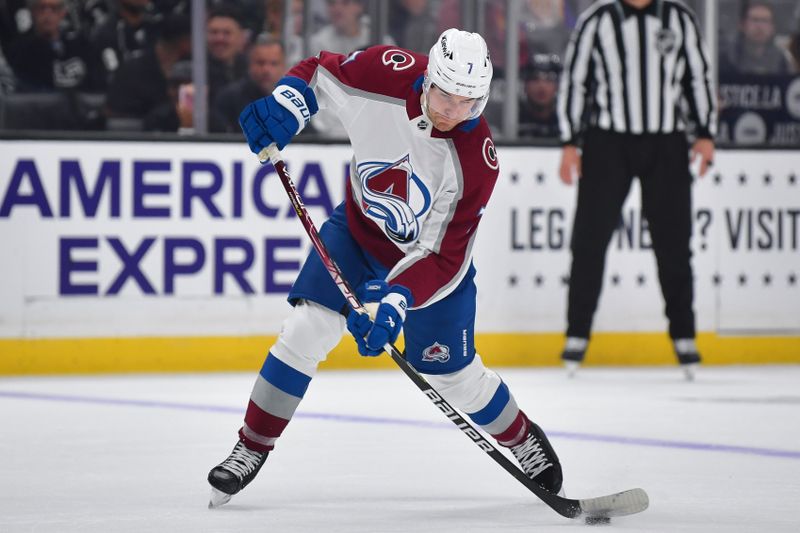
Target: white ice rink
367, 452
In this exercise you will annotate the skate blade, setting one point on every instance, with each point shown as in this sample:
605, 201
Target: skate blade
218, 498
572, 368
689, 371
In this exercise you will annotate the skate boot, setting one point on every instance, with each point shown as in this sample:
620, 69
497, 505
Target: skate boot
688, 356
574, 351
234, 473
538, 460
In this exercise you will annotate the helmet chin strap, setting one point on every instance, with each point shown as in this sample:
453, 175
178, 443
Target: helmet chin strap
424, 105
426, 86
425, 109
423, 99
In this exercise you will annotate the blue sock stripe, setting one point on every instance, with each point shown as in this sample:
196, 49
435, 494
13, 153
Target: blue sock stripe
284, 377
494, 408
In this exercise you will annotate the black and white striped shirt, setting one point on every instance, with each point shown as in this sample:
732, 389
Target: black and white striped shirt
639, 66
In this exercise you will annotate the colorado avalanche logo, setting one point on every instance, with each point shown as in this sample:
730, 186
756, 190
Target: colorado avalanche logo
436, 352
399, 59
393, 194
490, 154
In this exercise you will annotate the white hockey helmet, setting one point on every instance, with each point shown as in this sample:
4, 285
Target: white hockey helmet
459, 64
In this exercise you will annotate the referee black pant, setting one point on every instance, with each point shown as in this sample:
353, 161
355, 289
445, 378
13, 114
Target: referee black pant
609, 163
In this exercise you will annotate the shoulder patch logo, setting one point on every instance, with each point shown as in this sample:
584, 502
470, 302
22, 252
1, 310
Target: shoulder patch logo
665, 41
436, 353
490, 154
398, 59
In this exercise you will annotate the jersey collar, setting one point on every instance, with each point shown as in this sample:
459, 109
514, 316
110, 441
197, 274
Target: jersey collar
630, 11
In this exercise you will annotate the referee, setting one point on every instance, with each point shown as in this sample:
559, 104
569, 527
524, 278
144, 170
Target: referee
633, 70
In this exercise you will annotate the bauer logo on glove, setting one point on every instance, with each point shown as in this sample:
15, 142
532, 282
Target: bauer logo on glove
288, 97
280, 116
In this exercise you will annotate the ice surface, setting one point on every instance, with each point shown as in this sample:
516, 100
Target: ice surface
367, 452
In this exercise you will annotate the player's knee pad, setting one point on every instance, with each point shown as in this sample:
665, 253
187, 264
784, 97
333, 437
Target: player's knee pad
470, 389
307, 335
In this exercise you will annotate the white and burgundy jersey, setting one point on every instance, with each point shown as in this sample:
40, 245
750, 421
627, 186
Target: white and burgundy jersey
415, 194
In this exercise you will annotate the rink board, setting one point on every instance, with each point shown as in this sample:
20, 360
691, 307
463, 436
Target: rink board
126, 256
199, 354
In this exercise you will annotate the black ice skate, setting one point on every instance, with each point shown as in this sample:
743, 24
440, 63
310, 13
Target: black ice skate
688, 356
574, 351
234, 473
538, 460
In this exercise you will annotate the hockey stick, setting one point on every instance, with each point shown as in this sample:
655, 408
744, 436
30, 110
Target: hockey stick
619, 504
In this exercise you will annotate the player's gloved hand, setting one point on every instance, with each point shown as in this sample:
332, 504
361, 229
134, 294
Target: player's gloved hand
371, 335
280, 116
359, 324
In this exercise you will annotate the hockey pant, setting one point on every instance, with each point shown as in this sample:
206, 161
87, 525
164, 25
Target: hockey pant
310, 332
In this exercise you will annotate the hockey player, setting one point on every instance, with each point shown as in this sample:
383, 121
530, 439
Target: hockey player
423, 170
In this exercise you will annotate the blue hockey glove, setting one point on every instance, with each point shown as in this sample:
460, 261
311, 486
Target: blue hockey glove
280, 116
356, 323
359, 324
370, 335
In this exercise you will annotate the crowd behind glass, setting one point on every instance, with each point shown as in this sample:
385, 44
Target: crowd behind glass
125, 65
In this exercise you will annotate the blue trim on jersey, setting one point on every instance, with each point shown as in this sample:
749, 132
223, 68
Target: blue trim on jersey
470, 124
418, 83
489, 414
284, 377
439, 338
314, 281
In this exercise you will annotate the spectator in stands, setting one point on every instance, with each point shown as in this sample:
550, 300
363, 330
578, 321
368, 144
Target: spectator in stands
7, 79
412, 25
172, 7
253, 11
274, 20
140, 85
15, 20
274, 16
543, 27
495, 22
266, 65
754, 50
46, 58
348, 30
176, 112
125, 35
537, 112
226, 39
80, 16
794, 51
93, 14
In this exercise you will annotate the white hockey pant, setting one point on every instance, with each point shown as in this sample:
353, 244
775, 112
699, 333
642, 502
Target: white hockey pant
309, 333
470, 389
